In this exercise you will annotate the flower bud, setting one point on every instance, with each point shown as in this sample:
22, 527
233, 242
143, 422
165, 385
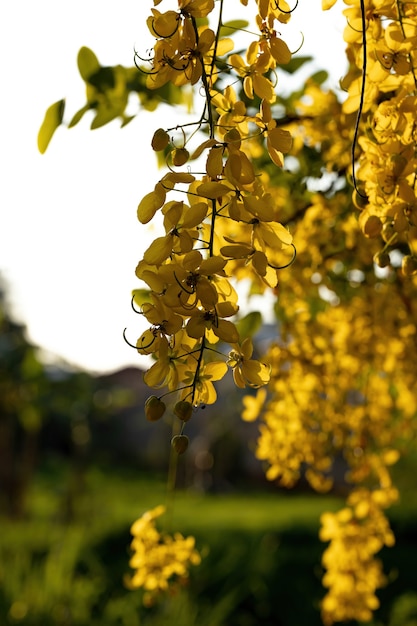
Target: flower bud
360, 200
371, 225
154, 408
179, 443
160, 140
382, 259
183, 410
388, 231
409, 265
180, 156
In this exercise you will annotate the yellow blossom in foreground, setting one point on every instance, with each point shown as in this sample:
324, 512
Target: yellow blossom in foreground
247, 371
158, 559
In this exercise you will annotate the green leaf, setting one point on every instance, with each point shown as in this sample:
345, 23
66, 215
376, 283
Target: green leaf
249, 325
319, 77
87, 63
126, 119
79, 115
228, 28
53, 119
104, 115
295, 64
140, 296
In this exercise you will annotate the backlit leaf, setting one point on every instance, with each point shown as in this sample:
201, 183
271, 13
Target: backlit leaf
250, 324
88, 63
53, 119
232, 25
77, 117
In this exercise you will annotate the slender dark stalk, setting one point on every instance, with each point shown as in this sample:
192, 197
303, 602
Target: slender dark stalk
362, 97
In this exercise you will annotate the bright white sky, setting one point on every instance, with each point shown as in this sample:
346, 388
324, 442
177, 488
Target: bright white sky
69, 237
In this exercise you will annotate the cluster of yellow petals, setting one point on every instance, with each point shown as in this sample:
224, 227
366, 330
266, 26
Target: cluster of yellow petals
335, 388
341, 400
356, 534
387, 163
157, 558
218, 221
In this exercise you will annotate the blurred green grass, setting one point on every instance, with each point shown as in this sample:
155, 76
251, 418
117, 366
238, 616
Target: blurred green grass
111, 499
63, 565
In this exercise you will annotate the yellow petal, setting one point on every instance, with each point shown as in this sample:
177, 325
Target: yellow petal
158, 251
280, 139
327, 4
256, 373
213, 190
207, 294
192, 260
150, 203
280, 51
263, 88
238, 378
214, 164
236, 252
212, 265
195, 215
226, 331
196, 327
215, 370
164, 24
224, 46
260, 262
247, 348
156, 375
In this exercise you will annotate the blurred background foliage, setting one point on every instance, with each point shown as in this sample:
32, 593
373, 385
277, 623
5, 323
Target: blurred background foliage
79, 463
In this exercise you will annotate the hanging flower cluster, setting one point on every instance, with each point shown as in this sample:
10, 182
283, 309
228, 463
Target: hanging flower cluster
381, 85
215, 220
158, 559
341, 394
356, 533
341, 384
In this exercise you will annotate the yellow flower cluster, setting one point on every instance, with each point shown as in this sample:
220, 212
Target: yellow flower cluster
338, 378
356, 533
342, 392
218, 221
158, 559
381, 83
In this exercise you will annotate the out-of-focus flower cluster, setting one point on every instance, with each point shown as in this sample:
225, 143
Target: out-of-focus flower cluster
356, 534
159, 559
341, 400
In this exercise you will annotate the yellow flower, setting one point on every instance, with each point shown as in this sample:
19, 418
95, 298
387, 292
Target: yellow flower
201, 383
356, 533
278, 140
158, 559
180, 224
254, 80
210, 323
392, 54
197, 277
232, 111
252, 405
247, 371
